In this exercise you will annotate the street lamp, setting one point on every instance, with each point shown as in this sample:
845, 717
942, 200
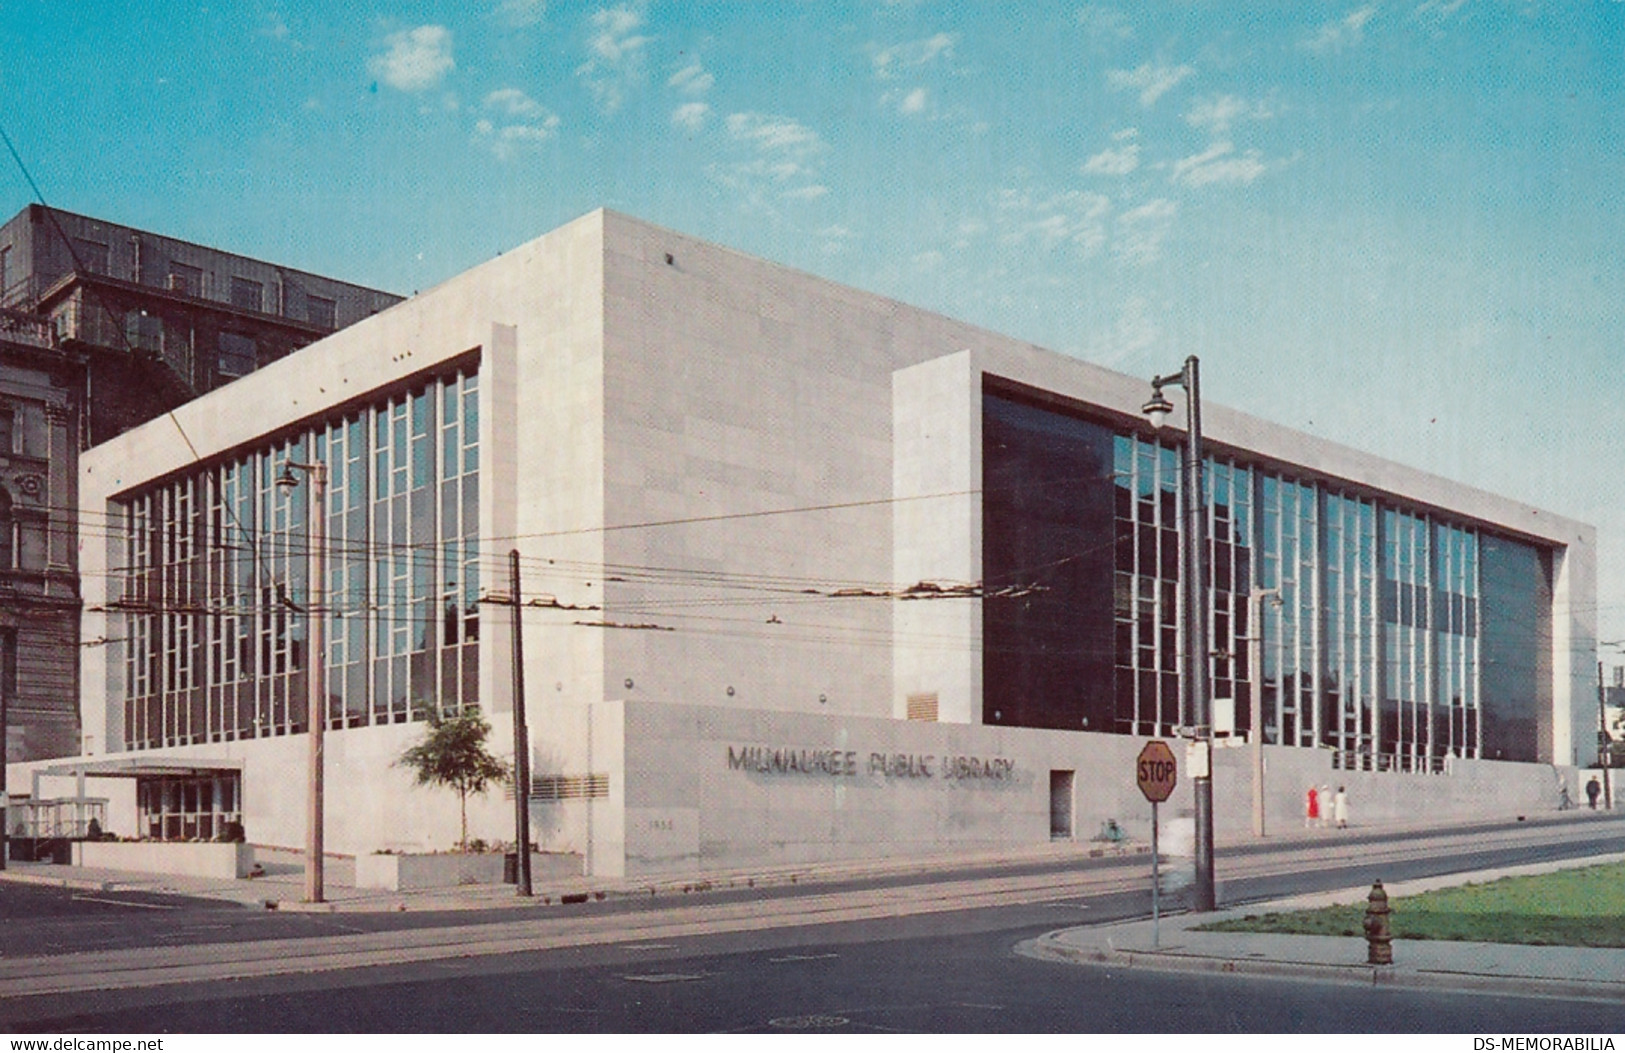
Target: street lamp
1194, 674
316, 674
1255, 674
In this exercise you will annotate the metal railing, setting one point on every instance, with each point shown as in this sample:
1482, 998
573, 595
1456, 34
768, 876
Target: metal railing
1359, 760
24, 328
68, 817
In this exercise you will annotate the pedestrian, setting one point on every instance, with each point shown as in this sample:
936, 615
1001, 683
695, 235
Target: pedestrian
1311, 814
1593, 791
1340, 808
1325, 804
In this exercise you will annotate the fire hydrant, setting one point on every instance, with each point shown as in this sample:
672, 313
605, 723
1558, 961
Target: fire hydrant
1378, 936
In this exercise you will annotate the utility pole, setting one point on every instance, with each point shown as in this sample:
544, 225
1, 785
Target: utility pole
1603, 752
1255, 676
316, 680
521, 734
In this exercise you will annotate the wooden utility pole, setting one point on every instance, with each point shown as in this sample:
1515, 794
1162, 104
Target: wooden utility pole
521, 734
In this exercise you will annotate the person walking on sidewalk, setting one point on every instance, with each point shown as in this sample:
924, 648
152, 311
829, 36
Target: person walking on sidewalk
1340, 809
1593, 791
1311, 812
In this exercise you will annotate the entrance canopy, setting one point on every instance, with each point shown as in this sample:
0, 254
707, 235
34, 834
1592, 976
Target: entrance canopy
142, 767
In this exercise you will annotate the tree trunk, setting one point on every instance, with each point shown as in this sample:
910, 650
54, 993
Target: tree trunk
462, 803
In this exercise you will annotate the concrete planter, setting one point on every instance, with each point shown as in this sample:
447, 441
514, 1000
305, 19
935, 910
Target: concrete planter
223, 860
442, 870
399, 871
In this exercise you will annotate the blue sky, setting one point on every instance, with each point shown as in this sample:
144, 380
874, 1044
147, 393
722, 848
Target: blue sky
1397, 225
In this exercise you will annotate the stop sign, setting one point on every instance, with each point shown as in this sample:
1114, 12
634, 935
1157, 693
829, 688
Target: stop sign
1156, 771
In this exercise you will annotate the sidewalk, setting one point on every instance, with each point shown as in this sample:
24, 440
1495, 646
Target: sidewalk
1174, 945
282, 886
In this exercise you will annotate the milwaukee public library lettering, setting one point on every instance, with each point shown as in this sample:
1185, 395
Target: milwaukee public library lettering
841, 763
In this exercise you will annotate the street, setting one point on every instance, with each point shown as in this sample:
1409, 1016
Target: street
929, 953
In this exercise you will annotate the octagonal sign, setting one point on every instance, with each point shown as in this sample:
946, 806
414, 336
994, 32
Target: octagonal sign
1156, 771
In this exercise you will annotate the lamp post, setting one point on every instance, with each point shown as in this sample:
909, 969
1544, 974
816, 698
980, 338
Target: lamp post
1194, 675
1604, 753
316, 675
1255, 676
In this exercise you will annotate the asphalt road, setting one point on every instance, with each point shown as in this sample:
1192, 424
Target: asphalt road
947, 971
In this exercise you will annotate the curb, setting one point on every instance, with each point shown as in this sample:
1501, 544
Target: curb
1050, 948
82, 884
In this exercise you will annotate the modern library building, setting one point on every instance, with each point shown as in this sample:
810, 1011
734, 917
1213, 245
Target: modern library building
804, 574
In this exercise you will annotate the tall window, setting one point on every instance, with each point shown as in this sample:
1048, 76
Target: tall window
321, 311
216, 578
238, 355
8, 533
185, 279
8, 677
91, 256
247, 294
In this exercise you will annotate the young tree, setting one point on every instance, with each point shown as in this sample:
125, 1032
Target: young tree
453, 754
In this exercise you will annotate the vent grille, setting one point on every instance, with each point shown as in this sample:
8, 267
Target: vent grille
569, 787
922, 706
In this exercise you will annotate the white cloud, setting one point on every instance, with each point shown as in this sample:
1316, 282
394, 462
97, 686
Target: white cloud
1216, 115
1075, 217
614, 55
1141, 231
692, 79
1152, 82
1439, 10
1103, 25
526, 123
520, 13
783, 161
690, 115
836, 239
888, 62
1134, 331
774, 133
274, 27
514, 103
1217, 165
913, 102
1120, 161
416, 59
1342, 33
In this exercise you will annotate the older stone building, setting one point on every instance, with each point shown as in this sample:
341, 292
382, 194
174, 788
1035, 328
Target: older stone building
104, 327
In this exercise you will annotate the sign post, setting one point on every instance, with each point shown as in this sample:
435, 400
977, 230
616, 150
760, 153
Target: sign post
1156, 772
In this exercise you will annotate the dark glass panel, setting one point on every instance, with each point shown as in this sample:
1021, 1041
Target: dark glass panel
1516, 651
1049, 500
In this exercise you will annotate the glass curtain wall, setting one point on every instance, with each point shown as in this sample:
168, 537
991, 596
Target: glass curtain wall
1374, 650
215, 578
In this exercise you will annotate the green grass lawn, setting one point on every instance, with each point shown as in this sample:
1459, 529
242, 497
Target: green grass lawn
1584, 907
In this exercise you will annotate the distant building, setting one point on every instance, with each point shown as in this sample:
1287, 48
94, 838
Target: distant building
807, 574
103, 327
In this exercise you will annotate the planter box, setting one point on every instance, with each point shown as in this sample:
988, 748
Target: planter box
447, 869
222, 860
442, 870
